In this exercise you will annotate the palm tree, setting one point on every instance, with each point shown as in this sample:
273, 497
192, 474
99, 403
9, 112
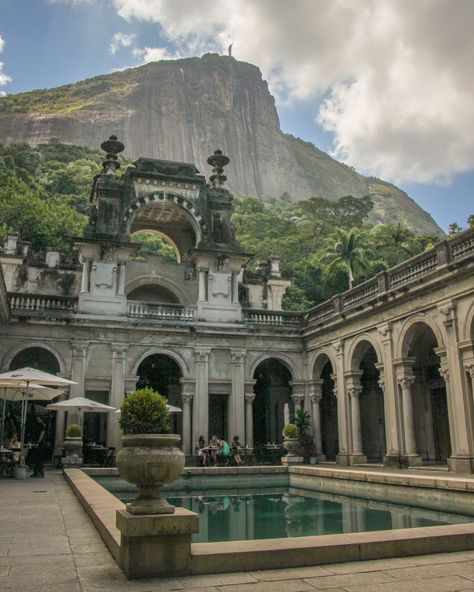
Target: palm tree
345, 246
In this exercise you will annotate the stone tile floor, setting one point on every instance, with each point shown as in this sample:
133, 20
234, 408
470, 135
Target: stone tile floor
48, 544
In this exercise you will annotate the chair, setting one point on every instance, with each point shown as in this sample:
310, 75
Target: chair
109, 457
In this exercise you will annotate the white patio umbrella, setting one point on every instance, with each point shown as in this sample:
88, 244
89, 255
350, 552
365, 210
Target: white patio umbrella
34, 392
81, 405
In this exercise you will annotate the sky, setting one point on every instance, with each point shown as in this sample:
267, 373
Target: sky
385, 86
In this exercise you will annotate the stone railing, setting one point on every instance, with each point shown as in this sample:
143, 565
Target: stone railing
446, 254
162, 312
40, 303
274, 318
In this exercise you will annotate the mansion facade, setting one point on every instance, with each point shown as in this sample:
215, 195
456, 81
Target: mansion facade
386, 369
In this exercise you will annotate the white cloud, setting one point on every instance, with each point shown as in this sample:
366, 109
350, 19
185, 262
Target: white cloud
4, 79
153, 54
396, 81
121, 40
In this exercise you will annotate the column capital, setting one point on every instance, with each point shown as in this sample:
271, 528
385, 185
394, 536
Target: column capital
79, 348
469, 367
250, 397
119, 349
406, 380
385, 330
297, 399
202, 354
188, 386
353, 378
298, 387
338, 347
237, 356
354, 392
316, 398
315, 387
187, 398
448, 311
444, 372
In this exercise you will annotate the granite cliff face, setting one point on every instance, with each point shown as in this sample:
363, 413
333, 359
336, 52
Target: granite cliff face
185, 109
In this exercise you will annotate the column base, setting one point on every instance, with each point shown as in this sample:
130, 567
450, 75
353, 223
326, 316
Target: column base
71, 462
317, 458
292, 460
156, 545
343, 459
392, 461
411, 460
461, 464
357, 459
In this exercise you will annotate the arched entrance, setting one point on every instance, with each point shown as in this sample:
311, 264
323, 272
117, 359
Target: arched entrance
430, 404
162, 374
273, 391
41, 359
372, 412
324, 387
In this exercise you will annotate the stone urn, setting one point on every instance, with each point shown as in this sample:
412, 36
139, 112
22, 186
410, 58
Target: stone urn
72, 452
293, 446
149, 461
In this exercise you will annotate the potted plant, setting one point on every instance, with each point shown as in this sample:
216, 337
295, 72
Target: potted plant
72, 446
291, 441
150, 457
302, 422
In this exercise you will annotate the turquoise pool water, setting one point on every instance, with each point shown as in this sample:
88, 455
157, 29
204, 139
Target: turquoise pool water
229, 514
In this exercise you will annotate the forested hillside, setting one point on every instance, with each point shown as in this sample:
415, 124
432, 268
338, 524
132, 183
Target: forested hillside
325, 245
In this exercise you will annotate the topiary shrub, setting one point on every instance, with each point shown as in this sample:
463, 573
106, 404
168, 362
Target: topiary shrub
290, 431
74, 431
144, 412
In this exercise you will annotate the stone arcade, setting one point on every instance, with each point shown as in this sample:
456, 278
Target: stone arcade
385, 369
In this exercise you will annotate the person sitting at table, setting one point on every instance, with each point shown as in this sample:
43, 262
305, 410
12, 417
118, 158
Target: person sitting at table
235, 450
15, 446
201, 452
214, 447
224, 453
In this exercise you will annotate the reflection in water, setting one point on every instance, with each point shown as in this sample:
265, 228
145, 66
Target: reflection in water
273, 514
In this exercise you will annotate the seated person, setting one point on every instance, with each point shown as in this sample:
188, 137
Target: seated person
15, 446
213, 443
224, 452
235, 450
201, 452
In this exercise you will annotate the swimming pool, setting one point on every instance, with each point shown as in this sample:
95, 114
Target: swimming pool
253, 507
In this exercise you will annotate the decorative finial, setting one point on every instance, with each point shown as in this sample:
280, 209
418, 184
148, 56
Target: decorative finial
218, 161
112, 147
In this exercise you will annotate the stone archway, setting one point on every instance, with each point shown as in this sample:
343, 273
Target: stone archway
163, 374
272, 391
325, 397
367, 404
422, 381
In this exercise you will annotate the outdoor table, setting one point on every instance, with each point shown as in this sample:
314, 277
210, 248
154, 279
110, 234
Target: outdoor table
95, 453
273, 453
247, 454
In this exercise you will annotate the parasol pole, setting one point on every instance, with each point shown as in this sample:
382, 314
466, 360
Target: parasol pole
2, 424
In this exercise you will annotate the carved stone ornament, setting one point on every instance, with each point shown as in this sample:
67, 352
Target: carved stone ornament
406, 381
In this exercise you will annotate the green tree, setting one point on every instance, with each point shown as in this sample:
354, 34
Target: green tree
345, 248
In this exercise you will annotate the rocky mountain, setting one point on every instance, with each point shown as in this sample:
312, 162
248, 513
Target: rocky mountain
184, 110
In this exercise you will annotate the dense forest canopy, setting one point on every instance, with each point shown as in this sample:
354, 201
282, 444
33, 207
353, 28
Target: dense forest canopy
325, 246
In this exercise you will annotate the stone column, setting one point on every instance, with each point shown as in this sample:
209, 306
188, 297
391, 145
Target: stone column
343, 409
85, 275
392, 410
298, 394
460, 413
235, 288
357, 455
237, 400
469, 367
315, 397
121, 279
78, 374
202, 294
406, 381
187, 399
249, 399
201, 401
117, 393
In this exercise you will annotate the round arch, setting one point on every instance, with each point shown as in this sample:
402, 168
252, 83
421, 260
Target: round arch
158, 281
189, 207
359, 348
469, 325
318, 360
407, 329
162, 352
30, 345
284, 359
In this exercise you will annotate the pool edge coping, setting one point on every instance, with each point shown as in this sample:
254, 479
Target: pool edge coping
225, 557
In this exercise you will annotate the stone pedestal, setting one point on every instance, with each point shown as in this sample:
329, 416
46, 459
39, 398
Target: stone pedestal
392, 461
357, 459
461, 464
292, 460
156, 545
71, 462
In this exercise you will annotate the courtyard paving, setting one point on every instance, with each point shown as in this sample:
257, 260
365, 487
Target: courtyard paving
48, 544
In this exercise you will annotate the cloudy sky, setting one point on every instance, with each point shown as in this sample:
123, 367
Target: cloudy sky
386, 86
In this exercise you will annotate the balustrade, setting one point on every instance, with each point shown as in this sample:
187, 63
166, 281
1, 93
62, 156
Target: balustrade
40, 302
162, 312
